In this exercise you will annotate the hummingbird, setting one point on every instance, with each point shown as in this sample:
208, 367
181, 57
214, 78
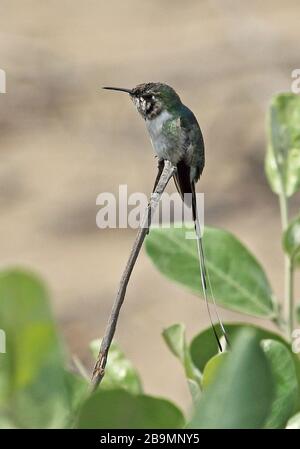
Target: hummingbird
176, 137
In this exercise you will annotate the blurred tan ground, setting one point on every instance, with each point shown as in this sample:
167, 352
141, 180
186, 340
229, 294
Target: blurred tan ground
63, 141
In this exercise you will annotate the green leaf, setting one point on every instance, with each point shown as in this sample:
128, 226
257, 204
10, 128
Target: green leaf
31, 339
212, 367
194, 389
291, 240
119, 371
203, 346
47, 403
285, 380
118, 409
282, 163
77, 389
285, 383
298, 313
6, 423
241, 395
32, 378
239, 282
174, 336
294, 422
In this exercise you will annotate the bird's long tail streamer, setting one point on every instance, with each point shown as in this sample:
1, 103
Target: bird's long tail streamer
205, 279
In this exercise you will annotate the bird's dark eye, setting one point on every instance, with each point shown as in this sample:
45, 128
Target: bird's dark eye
147, 97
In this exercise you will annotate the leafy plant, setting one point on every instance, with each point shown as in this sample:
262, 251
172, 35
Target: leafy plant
118, 409
238, 279
254, 385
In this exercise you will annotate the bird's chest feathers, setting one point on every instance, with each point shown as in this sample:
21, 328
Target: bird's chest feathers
155, 125
159, 138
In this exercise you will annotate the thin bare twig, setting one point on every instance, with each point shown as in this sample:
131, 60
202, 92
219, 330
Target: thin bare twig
99, 369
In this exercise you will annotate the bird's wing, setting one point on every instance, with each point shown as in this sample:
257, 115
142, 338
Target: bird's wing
192, 141
191, 164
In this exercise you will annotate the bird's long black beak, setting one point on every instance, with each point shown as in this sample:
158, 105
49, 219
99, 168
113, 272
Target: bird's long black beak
120, 89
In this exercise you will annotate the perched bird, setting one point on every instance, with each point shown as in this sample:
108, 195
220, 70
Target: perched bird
174, 132
176, 136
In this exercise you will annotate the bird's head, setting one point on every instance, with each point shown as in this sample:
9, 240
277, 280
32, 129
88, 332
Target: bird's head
151, 99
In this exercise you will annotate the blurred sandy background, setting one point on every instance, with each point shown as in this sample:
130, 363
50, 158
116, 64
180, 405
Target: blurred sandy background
63, 141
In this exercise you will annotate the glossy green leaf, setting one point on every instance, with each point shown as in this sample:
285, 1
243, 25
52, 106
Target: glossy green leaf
291, 240
285, 383
294, 422
174, 336
203, 346
212, 367
118, 409
282, 163
239, 282
241, 395
119, 371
